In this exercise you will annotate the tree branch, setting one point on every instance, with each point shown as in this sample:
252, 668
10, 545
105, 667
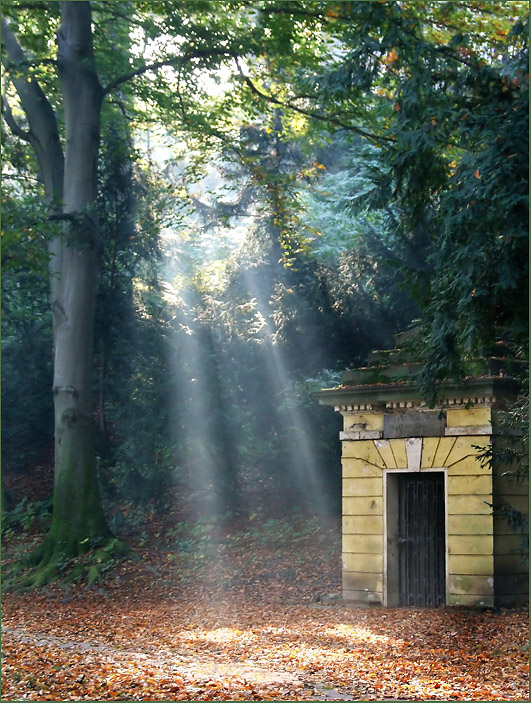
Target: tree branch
173, 62
309, 113
122, 107
12, 123
26, 63
296, 10
43, 131
287, 10
66, 216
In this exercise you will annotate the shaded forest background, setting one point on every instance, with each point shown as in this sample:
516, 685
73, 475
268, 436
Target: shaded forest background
254, 248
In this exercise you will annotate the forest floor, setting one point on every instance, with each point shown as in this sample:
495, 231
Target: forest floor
241, 617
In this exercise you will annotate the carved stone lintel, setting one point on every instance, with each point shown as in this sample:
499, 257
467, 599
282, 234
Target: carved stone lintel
414, 424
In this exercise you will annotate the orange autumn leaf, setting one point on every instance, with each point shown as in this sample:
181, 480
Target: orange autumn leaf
244, 625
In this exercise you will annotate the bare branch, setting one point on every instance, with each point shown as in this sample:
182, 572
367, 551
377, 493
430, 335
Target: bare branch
65, 216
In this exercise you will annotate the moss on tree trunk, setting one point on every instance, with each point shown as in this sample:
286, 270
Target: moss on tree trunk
79, 543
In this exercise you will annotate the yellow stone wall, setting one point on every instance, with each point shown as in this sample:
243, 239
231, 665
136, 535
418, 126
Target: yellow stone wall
468, 417
470, 560
512, 573
471, 548
374, 421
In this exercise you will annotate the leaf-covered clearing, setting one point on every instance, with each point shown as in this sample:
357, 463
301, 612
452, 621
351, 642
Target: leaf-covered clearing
236, 618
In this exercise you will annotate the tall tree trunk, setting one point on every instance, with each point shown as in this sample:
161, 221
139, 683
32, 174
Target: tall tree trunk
78, 522
78, 514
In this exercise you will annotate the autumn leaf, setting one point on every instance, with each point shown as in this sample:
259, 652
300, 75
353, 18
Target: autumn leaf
244, 625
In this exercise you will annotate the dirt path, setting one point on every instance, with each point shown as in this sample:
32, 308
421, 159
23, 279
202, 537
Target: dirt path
97, 648
174, 664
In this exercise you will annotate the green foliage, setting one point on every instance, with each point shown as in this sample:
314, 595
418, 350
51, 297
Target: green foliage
443, 90
27, 415
131, 324
509, 457
360, 244
88, 565
25, 516
206, 382
461, 171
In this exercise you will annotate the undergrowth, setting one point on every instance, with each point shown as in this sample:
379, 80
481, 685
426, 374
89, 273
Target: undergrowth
215, 544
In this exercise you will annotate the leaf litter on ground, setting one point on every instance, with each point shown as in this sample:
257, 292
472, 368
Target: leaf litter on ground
244, 618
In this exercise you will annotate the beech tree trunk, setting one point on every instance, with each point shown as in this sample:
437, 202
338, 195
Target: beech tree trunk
77, 507
70, 182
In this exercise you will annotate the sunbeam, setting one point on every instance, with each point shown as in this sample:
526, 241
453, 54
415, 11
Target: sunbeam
299, 448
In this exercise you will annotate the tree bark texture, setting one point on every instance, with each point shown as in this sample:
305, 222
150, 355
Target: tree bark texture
71, 187
77, 506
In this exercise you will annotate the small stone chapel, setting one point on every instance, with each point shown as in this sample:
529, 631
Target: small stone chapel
420, 524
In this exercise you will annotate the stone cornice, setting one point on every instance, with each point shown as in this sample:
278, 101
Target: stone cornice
492, 391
